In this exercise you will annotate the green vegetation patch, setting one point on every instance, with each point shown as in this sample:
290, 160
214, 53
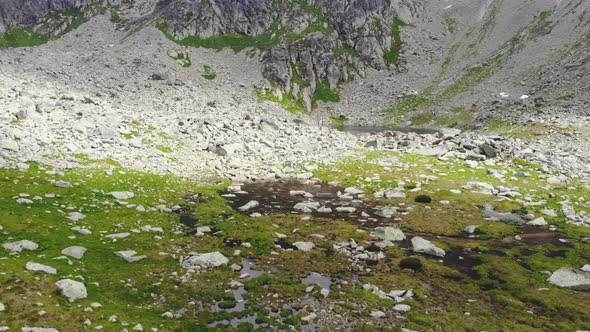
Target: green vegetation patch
323, 92
209, 73
392, 56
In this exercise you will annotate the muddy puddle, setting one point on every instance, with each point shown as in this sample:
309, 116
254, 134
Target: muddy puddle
282, 197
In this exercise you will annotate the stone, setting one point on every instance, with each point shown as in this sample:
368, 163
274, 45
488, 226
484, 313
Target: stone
386, 211
508, 217
212, 259
9, 144
72, 289
23, 200
389, 233
2, 307
571, 278
426, 247
82, 231
346, 209
538, 222
306, 207
121, 194
249, 206
488, 151
470, 229
75, 216
32, 266
310, 317
353, 191
549, 213
304, 246
118, 235
402, 307
377, 314
129, 255
18, 246
62, 184
38, 329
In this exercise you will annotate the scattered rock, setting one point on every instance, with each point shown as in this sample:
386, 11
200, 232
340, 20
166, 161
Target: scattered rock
571, 278
471, 229
72, 289
62, 184
402, 307
249, 206
212, 259
75, 216
304, 246
32, 266
121, 194
18, 246
377, 314
538, 222
389, 233
129, 255
423, 246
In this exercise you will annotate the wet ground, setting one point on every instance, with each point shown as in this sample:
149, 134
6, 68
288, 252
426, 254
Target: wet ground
280, 197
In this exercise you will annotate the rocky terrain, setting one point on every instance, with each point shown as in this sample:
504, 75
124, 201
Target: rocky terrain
318, 165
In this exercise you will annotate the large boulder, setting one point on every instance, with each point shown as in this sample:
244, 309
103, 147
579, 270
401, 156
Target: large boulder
72, 289
18, 246
389, 234
212, 259
426, 247
571, 278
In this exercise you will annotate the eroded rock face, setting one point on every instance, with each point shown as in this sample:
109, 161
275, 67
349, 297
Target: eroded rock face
329, 40
21, 14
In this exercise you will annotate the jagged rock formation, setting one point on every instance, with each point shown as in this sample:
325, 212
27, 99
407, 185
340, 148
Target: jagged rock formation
303, 42
43, 17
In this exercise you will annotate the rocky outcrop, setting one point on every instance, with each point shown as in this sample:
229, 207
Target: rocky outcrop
24, 14
302, 42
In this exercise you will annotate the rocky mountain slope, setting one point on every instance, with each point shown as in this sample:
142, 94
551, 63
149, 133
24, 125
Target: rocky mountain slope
405, 56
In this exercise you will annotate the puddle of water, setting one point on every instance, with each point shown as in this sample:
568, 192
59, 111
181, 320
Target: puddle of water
358, 130
248, 266
540, 236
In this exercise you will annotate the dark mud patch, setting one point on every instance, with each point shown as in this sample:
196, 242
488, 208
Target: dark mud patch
281, 197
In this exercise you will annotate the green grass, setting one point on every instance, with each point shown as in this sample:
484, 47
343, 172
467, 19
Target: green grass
323, 92
234, 41
392, 56
141, 292
208, 73
407, 104
291, 103
21, 38
115, 17
28, 38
